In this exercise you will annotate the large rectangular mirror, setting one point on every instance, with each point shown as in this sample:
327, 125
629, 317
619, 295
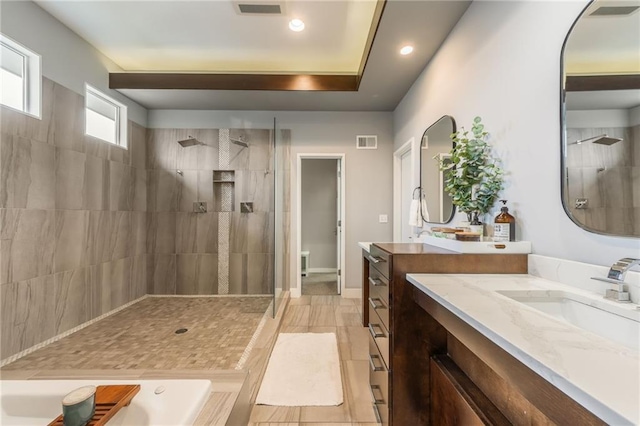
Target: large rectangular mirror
435, 145
600, 106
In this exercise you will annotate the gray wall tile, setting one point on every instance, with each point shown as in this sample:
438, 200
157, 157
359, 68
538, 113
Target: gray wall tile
161, 233
161, 195
67, 126
140, 190
121, 186
196, 274
27, 240
71, 226
187, 190
186, 232
161, 275
96, 187
72, 296
27, 171
98, 237
121, 231
70, 179
138, 146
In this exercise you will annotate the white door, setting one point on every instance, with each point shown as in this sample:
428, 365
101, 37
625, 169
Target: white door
338, 222
406, 185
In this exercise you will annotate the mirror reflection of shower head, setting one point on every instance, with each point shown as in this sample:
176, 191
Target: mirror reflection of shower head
600, 139
239, 142
190, 141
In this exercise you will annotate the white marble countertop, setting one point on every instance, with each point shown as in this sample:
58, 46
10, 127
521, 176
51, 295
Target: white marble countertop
365, 246
599, 374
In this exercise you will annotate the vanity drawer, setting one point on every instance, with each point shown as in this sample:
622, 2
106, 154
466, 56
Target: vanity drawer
380, 260
378, 383
380, 335
378, 285
378, 306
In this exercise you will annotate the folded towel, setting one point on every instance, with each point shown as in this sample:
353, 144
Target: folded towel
425, 211
414, 214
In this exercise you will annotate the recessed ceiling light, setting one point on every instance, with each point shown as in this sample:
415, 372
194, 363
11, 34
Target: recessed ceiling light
406, 50
296, 25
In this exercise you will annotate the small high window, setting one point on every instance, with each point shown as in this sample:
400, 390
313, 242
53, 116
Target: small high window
105, 118
20, 77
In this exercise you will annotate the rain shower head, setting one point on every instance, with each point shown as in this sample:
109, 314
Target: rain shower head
239, 142
600, 139
190, 141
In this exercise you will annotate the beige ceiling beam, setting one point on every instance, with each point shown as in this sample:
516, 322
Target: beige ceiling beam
193, 81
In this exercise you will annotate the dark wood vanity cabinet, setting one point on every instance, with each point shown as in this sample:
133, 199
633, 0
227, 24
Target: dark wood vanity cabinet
400, 341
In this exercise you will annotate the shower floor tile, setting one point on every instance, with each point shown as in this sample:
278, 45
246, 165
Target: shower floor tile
142, 336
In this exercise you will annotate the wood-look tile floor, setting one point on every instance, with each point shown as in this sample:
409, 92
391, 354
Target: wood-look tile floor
323, 314
317, 284
142, 336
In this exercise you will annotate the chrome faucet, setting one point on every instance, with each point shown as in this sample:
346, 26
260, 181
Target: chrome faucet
616, 276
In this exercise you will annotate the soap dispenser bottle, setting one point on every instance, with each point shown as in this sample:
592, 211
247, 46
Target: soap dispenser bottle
504, 228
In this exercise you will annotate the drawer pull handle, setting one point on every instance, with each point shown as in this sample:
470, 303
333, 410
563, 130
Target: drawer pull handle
377, 414
373, 332
373, 389
376, 304
373, 365
374, 260
376, 282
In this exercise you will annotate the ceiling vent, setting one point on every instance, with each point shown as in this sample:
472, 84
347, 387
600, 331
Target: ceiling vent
257, 7
367, 142
614, 10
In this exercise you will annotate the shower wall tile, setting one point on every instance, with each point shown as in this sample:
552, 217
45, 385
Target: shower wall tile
161, 275
617, 180
162, 148
121, 186
255, 186
96, 186
186, 232
161, 233
70, 179
187, 190
238, 273
138, 146
209, 156
98, 237
67, 127
27, 314
27, 172
19, 124
138, 233
119, 281
162, 195
72, 296
251, 232
139, 189
71, 226
207, 233
196, 274
619, 220
99, 293
27, 239
138, 277
121, 244
259, 273
635, 185
119, 154
205, 188
96, 147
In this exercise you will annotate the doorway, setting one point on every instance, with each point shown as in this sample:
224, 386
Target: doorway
320, 224
404, 185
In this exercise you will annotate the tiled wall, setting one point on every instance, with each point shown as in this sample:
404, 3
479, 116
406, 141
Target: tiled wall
609, 176
72, 221
222, 251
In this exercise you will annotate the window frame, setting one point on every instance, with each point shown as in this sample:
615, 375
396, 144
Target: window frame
121, 130
31, 78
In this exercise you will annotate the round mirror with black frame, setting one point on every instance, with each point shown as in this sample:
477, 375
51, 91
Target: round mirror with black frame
435, 145
600, 119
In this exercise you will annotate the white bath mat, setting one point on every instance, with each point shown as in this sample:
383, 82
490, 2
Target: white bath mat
304, 370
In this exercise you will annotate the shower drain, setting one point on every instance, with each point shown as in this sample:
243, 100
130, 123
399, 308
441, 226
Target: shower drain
181, 331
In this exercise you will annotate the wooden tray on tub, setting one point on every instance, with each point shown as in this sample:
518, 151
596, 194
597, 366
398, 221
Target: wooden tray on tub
109, 400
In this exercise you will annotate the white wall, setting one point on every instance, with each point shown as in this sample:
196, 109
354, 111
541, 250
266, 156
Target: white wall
319, 212
367, 173
67, 59
502, 62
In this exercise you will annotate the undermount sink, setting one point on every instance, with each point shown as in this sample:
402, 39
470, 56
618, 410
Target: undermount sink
620, 324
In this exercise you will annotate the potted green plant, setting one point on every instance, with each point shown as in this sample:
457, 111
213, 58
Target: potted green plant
473, 178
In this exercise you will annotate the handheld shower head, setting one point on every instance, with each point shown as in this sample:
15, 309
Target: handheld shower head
190, 141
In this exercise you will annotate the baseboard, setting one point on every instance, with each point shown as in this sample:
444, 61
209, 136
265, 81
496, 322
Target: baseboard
322, 270
295, 293
351, 293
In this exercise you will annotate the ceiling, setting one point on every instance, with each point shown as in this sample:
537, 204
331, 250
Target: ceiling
603, 99
212, 37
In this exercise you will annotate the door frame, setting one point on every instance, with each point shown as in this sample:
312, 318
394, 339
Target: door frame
408, 146
342, 266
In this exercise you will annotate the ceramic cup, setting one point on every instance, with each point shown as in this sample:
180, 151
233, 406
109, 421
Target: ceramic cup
79, 406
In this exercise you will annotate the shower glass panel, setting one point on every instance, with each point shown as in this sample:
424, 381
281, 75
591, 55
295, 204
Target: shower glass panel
282, 146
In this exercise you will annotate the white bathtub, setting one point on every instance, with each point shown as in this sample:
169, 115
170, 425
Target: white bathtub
37, 402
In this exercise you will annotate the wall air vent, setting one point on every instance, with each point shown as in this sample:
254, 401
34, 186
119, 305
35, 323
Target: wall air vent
367, 142
614, 10
257, 7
